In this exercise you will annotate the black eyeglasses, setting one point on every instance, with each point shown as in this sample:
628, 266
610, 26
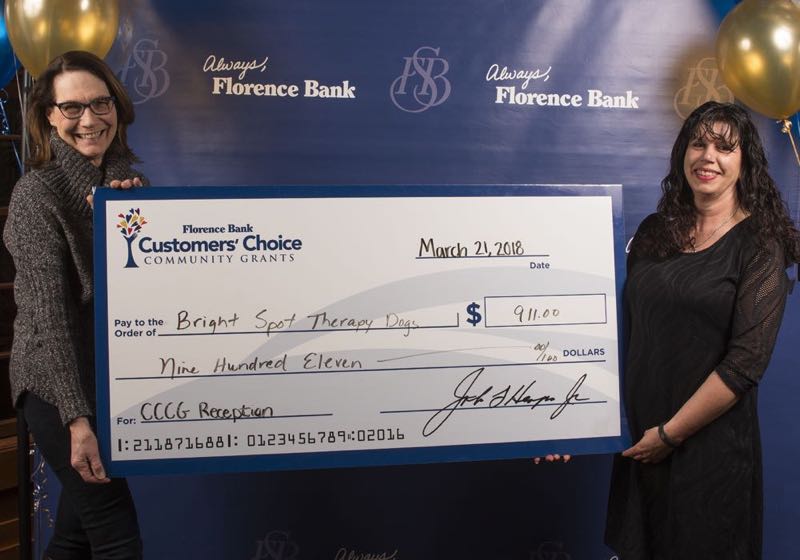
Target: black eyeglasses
75, 109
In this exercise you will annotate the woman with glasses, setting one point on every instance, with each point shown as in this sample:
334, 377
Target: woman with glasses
78, 113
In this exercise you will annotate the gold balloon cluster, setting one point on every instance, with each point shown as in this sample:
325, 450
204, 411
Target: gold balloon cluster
758, 53
40, 30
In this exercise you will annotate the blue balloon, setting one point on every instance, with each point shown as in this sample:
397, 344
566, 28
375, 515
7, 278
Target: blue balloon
8, 61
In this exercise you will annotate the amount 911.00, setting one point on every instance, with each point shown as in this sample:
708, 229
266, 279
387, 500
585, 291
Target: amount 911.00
532, 314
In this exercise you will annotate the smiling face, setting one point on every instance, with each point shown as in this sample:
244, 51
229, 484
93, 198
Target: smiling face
712, 164
91, 134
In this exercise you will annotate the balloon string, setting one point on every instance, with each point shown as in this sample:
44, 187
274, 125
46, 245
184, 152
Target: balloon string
787, 129
797, 206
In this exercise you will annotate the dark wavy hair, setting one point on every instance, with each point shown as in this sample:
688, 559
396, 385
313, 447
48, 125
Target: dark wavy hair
756, 191
42, 98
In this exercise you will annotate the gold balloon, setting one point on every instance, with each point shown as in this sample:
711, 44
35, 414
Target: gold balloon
40, 30
758, 53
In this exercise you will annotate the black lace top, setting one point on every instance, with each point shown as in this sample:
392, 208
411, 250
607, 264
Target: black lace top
718, 309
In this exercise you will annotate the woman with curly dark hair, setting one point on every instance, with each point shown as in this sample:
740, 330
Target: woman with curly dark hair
704, 300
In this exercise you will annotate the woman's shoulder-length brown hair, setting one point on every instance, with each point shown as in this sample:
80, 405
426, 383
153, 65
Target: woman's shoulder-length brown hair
42, 98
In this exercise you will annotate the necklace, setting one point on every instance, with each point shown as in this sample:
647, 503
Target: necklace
713, 233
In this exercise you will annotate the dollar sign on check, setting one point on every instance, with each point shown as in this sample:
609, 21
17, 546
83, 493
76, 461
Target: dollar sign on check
474, 316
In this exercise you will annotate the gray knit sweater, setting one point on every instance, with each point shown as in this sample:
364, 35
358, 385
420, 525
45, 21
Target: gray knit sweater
49, 235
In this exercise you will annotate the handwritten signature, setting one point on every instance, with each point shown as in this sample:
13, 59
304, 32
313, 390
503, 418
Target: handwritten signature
467, 393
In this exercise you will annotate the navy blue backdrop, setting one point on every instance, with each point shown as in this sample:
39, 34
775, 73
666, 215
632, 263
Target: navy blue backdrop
428, 92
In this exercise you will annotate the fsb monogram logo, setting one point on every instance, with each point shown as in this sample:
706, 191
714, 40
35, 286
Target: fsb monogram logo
704, 83
277, 545
146, 71
422, 84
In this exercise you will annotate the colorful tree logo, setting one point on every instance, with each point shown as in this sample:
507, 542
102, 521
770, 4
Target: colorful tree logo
129, 226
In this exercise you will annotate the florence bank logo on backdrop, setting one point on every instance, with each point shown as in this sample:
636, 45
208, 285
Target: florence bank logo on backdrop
511, 88
145, 73
422, 83
238, 83
344, 553
703, 83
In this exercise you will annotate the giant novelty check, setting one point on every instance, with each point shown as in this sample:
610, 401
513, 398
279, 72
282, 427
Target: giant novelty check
299, 327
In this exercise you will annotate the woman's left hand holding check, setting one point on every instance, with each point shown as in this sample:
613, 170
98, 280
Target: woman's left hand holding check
117, 184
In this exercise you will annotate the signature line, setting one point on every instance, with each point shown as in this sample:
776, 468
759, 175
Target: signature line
492, 407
